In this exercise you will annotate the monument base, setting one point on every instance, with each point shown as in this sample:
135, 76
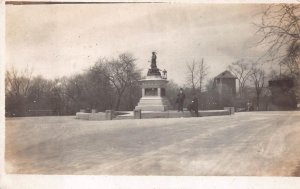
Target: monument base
153, 90
153, 104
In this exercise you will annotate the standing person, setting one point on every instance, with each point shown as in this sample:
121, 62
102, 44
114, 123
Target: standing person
248, 106
195, 105
180, 100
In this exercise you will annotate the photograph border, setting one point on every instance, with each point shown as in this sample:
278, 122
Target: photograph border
8, 181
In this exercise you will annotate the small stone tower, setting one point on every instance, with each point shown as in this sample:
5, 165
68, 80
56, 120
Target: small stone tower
225, 86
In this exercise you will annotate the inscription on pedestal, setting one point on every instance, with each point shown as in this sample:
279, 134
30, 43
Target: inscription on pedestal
151, 92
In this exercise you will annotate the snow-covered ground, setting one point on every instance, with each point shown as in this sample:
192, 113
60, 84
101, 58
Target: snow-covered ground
249, 143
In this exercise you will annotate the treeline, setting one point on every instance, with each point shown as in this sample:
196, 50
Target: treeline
252, 91
108, 84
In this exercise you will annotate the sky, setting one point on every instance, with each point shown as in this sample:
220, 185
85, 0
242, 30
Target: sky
62, 40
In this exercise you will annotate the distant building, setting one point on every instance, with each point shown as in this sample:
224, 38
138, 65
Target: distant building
225, 86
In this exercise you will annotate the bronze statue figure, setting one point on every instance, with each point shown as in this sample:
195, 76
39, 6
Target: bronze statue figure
153, 60
153, 70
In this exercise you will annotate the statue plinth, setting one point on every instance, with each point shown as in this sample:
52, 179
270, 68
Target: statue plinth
153, 71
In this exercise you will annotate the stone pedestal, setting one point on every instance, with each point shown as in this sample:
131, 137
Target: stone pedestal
153, 94
137, 114
230, 110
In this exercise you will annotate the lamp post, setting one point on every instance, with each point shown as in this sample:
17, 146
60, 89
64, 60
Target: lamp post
34, 108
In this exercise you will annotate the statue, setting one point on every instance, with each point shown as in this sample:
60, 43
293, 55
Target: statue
153, 60
153, 70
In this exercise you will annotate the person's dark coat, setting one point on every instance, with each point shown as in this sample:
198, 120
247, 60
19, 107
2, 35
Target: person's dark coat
195, 103
180, 98
194, 106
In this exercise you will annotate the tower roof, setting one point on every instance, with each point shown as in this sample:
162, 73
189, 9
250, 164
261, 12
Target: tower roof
226, 74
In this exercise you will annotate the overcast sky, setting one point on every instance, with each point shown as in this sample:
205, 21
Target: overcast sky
60, 40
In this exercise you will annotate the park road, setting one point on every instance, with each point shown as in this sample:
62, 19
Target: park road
243, 144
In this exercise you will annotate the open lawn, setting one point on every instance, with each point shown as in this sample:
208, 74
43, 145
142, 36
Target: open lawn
249, 143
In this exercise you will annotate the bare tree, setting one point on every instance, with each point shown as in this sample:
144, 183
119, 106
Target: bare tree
202, 74
17, 85
120, 72
241, 69
192, 74
18, 82
280, 30
196, 75
258, 79
292, 61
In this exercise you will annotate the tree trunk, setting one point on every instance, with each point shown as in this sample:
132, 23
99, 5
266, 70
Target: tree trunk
119, 97
117, 106
200, 101
241, 91
257, 101
131, 104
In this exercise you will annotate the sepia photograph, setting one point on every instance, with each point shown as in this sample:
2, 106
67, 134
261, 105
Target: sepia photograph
152, 89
